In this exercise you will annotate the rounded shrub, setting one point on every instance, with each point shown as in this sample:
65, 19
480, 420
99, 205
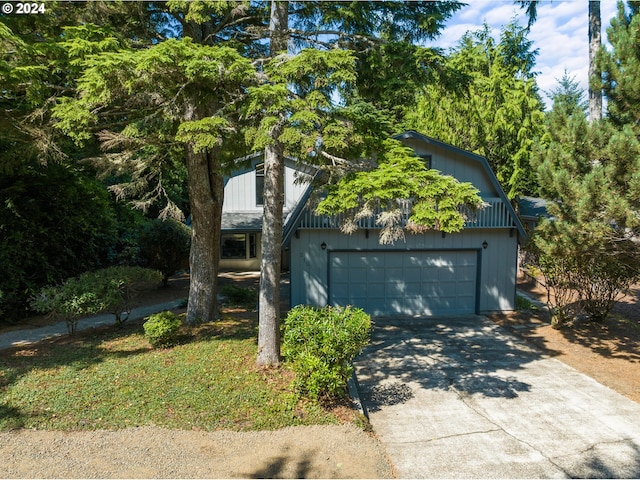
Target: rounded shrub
320, 343
162, 329
114, 290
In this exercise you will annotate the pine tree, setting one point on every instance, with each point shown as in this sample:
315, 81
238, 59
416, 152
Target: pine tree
487, 102
589, 173
176, 92
356, 26
621, 67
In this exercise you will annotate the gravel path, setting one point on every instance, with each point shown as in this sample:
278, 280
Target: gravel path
341, 451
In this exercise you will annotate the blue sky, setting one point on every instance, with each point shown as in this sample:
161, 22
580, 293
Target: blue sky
560, 34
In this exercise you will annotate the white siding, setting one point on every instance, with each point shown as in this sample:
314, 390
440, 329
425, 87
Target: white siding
240, 191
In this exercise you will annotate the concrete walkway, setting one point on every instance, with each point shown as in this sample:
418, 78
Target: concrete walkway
463, 398
33, 335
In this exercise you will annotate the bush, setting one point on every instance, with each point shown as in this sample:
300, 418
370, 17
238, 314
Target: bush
164, 245
55, 222
320, 344
113, 290
161, 329
245, 297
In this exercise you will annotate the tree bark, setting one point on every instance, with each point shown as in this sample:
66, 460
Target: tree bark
595, 75
206, 191
206, 195
272, 219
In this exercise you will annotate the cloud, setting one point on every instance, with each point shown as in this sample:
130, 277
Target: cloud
560, 34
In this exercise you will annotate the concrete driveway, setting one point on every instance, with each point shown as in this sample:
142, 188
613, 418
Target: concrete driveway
462, 398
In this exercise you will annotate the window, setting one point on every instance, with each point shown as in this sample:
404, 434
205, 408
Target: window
260, 184
239, 246
427, 160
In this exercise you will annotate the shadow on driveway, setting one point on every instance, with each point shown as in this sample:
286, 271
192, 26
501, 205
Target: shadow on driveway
460, 397
436, 353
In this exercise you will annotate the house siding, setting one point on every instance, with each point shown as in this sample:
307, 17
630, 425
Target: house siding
458, 165
240, 191
496, 263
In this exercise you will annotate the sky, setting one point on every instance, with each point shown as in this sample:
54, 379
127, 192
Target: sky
560, 34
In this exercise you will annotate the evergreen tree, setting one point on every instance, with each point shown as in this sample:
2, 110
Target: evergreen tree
621, 67
595, 34
175, 92
487, 103
589, 172
357, 26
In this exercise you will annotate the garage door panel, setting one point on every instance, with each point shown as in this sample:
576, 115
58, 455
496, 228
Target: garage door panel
407, 283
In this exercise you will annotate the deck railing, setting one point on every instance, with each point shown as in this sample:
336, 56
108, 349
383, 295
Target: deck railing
494, 215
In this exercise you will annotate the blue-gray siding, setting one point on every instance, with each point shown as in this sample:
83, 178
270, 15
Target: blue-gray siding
494, 288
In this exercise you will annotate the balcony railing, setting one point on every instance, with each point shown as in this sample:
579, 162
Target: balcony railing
494, 215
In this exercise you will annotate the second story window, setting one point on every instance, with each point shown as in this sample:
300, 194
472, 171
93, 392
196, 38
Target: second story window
260, 184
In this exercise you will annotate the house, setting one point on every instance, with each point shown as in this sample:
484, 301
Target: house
242, 210
432, 273
531, 210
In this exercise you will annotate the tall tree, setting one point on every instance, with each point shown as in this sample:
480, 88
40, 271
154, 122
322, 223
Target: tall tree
357, 25
595, 73
595, 33
272, 219
487, 102
588, 171
621, 67
176, 91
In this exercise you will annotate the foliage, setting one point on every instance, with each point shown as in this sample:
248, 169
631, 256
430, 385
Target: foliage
118, 381
113, 290
436, 201
146, 144
486, 101
164, 246
587, 268
245, 297
587, 252
621, 67
55, 222
320, 345
299, 93
161, 329
178, 95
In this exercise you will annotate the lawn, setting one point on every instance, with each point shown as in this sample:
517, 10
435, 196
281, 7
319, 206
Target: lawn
111, 378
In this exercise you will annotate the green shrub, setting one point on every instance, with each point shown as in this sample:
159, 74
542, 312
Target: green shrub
246, 297
164, 245
113, 290
55, 222
320, 344
161, 329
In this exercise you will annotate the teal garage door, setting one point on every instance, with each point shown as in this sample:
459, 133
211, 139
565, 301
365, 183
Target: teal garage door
404, 283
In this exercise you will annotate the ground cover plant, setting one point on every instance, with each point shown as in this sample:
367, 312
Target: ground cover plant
112, 378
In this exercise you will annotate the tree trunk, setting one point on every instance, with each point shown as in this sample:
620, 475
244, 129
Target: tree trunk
206, 194
272, 219
269, 298
595, 75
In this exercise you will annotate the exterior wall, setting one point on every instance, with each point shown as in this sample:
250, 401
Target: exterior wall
497, 268
459, 166
240, 191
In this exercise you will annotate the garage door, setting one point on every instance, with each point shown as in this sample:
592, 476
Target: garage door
404, 283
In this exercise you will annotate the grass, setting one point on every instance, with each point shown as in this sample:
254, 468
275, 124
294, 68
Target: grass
112, 378
523, 303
